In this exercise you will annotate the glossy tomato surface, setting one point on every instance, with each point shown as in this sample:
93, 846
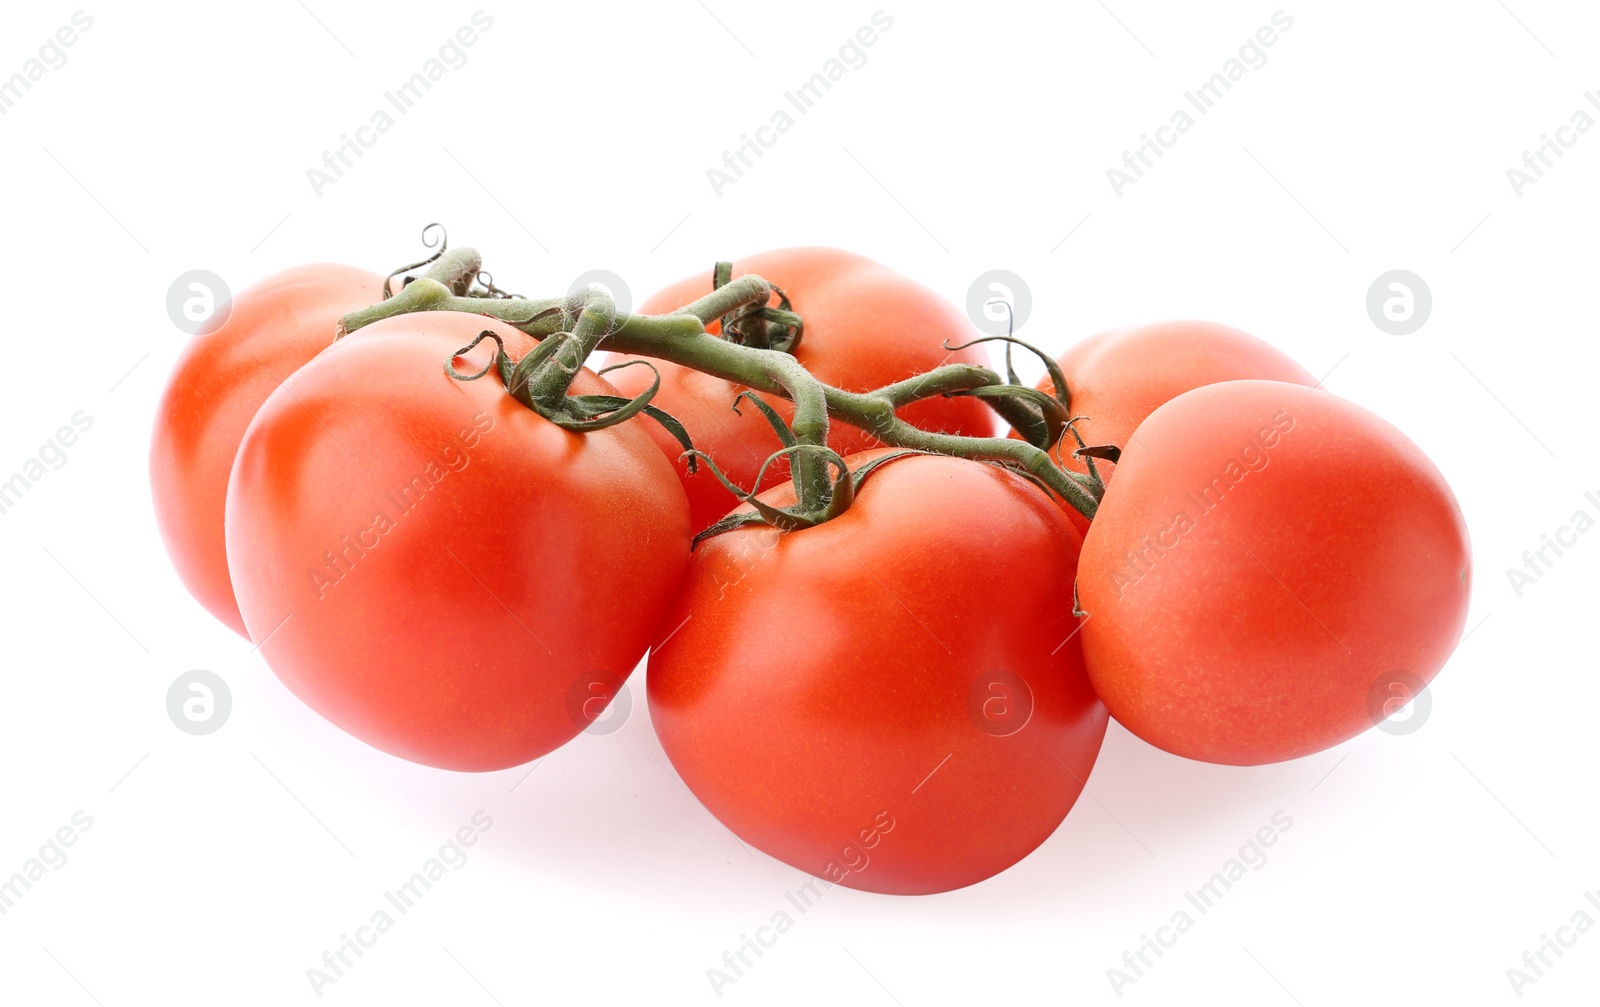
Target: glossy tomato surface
219, 382
1115, 379
894, 700
434, 567
865, 327
1271, 567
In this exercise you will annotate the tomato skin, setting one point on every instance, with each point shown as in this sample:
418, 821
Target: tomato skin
1336, 558
818, 685
221, 379
454, 569
865, 327
1117, 378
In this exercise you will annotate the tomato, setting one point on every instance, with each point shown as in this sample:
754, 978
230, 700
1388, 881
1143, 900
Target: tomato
865, 327
1117, 378
893, 700
436, 568
1270, 567
218, 384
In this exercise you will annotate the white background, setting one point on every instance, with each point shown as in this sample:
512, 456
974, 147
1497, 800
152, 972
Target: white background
218, 869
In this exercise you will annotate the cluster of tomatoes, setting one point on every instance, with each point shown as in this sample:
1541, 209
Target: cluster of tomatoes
905, 698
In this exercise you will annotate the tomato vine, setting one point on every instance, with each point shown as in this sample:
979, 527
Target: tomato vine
752, 351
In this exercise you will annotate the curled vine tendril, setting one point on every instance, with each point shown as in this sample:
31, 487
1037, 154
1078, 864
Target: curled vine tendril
442, 241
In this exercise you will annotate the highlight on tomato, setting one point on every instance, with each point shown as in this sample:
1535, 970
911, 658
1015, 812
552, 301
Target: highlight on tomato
893, 700
1269, 567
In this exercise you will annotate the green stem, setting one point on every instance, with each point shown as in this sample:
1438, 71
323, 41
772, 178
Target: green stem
682, 339
729, 297
457, 268
599, 314
538, 318
812, 480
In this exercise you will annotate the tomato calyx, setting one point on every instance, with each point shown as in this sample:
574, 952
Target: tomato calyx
759, 325
839, 495
1054, 420
845, 487
1040, 418
1057, 378
575, 413
838, 498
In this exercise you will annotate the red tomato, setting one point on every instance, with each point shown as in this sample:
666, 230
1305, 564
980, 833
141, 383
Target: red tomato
1117, 378
893, 700
436, 568
865, 327
1271, 565
218, 384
